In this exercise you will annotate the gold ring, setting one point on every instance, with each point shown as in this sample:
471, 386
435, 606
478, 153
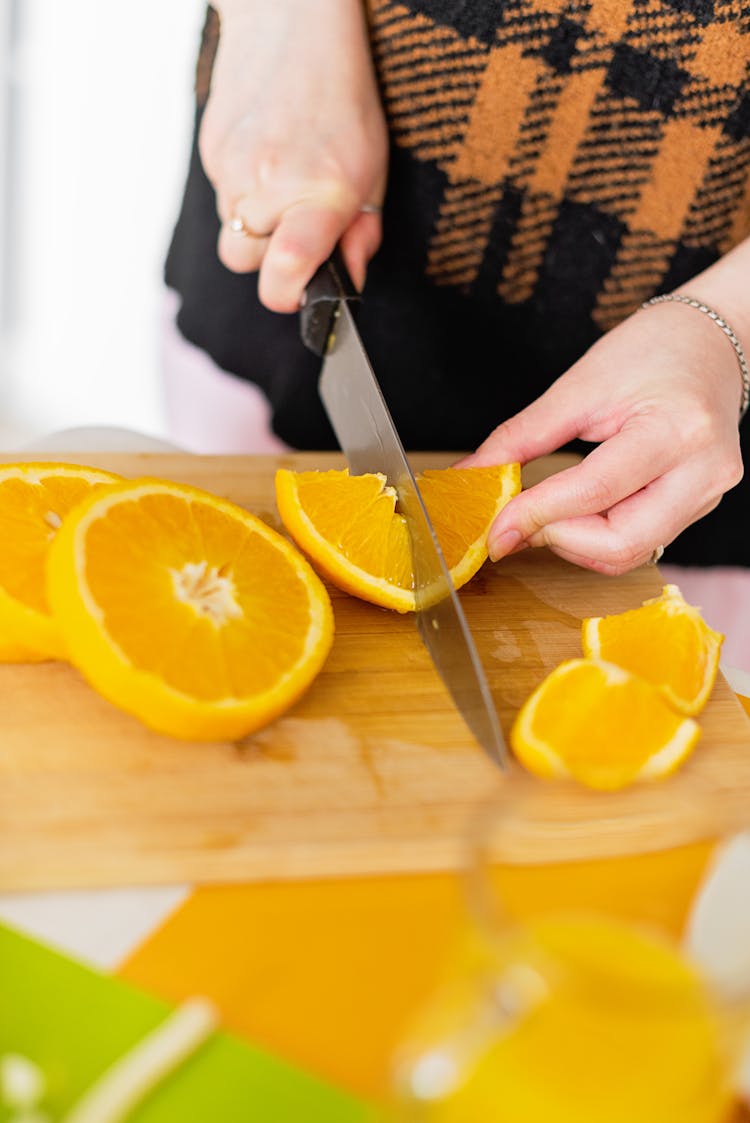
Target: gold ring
238, 226
656, 556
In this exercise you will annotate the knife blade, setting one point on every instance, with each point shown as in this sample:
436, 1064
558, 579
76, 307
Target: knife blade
369, 439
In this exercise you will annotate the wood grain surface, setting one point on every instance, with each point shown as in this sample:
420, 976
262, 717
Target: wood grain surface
372, 771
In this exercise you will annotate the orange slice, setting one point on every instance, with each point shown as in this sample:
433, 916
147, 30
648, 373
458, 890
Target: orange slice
34, 500
665, 641
185, 610
350, 528
601, 725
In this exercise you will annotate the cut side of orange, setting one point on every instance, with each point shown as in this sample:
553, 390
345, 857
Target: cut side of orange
34, 500
600, 725
186, 610
351, 529
665, 641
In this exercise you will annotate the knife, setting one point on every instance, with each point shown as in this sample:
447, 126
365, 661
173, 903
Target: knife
369, 439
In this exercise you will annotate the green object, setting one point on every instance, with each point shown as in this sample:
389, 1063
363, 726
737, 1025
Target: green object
74, 1023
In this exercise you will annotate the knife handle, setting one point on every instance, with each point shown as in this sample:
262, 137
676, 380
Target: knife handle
328, 287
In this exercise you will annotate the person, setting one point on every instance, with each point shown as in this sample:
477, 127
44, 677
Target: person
544, 168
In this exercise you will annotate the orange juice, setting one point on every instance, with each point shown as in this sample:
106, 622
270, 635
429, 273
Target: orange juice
574, 1020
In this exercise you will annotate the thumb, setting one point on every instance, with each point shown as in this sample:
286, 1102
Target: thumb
359, 243
542, 427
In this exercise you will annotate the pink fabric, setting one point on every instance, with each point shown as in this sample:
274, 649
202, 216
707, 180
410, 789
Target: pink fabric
207, 410
723, 595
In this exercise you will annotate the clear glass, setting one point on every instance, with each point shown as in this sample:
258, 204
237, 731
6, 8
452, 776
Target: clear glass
590, 991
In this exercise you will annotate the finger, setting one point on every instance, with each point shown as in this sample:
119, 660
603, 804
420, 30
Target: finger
598, 566
616, 469
243, 252
630, 531
235, 204
240, 252
542, 427
305, 237
359, 243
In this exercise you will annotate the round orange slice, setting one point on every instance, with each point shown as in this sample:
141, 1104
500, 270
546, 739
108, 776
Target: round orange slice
34, 500
186, 610
600, 725
665, 641
351, 529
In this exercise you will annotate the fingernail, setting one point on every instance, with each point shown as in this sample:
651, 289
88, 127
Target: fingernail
503, 544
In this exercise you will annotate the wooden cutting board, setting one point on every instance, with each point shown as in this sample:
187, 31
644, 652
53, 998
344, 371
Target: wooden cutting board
372, 771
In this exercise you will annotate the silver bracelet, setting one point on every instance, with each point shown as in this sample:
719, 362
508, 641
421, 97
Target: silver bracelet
725, 327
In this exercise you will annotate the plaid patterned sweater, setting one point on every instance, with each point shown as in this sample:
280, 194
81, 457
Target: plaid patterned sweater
553, 164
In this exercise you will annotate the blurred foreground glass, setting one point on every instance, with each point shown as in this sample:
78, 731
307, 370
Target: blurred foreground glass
567, 1012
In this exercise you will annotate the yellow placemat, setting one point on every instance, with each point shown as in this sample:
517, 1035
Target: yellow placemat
328, 974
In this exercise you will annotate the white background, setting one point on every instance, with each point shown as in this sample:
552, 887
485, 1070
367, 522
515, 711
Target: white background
96, 153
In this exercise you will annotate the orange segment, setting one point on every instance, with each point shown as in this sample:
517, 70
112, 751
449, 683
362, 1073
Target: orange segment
601, 725
185, 610
34, 499
351, 529
665, 641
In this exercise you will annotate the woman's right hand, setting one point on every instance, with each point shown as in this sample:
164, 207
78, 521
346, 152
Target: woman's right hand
294, 141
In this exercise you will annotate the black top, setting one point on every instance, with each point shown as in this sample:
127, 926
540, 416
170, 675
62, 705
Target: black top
501, 265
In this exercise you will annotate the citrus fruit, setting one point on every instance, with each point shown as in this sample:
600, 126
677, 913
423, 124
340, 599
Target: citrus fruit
601, 725
666, 641
34, 500
349, 525
186, 610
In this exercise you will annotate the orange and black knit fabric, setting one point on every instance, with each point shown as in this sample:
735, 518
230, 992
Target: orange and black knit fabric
603, 144
553, 164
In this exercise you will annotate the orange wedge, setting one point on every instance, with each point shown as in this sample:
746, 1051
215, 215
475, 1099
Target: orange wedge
665, 641
185, 610
34, 500
350, 528
602, 726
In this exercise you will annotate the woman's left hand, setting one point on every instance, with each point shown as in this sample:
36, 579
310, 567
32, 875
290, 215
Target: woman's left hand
660, 396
